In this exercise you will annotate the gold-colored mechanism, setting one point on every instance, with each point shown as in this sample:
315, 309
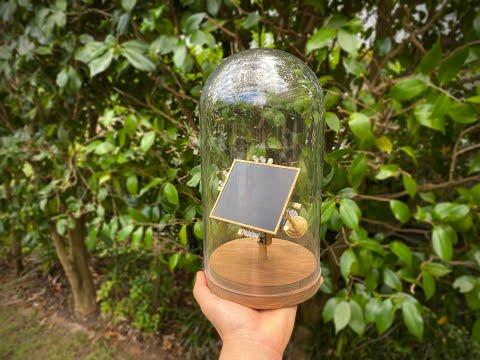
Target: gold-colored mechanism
295, 225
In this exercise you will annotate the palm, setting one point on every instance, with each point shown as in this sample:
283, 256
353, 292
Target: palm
272, 328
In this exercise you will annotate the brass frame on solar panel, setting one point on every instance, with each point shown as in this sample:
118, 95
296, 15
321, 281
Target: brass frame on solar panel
284, 203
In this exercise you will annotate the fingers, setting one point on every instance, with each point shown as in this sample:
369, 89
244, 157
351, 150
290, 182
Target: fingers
205, 298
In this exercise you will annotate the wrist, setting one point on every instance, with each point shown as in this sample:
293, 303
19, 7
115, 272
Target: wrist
239, 347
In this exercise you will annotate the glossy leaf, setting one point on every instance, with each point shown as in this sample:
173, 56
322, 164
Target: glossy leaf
341, 315
171, 194
408, 88
402, 251
428, 284
321, 38
349, 213
412, 319
357, 170
357, 322
400, 210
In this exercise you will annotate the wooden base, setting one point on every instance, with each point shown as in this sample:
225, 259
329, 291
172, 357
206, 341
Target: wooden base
287, 277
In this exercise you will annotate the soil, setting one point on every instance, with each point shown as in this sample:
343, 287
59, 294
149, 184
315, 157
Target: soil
36, 322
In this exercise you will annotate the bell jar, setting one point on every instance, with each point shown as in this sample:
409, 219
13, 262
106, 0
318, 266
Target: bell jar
262, 139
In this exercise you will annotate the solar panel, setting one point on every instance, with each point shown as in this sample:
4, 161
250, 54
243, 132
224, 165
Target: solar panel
255, 195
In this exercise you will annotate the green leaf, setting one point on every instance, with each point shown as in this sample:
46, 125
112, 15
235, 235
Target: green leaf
384, 317
182, 59
428, 197
412, 318
428, 284
173, 261
130, 124
327, 209
361, 127
387, 171
372, 309
408, 89
137, 59
443, 237
125, 232
442, 105
213, 6
424, 115
384, 144
391, 279
132, 184
341, 315
402, 251
463, 114
409, 184
329, 309
476, 324
452, 65
198, 230
476, 24
400, 210
450, 212
332, 121
104, 148
348, 263
62, 78
101, 63
465, 283
137, 237
250, 21
148, 140
474, 166
61, 226
354, 67
349, 213
320, 39
357, 322
474, 99
90, 51
148, 238
348, 41
164, 44
182, 235
371, 245
357, 170
92, 238
170, 193
194, 180
410, 152
137, 215
192, 23
200, 37
436, 269
432, 58
128, 5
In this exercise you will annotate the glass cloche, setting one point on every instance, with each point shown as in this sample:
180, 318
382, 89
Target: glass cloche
262, 139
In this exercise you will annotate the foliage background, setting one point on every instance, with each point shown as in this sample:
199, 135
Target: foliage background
99, 158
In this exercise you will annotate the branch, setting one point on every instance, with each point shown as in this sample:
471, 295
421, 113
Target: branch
457, 152
396, 229
428, 187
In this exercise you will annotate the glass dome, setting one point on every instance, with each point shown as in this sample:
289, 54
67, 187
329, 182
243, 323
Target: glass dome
262, 138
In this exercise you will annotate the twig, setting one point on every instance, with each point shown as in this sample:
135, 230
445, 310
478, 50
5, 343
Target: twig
428, 187
457, 152
394, 228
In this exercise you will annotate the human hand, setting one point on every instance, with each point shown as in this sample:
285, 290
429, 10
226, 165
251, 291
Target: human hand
246, 333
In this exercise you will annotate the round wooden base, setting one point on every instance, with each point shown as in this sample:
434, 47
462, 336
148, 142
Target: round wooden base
287, 277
